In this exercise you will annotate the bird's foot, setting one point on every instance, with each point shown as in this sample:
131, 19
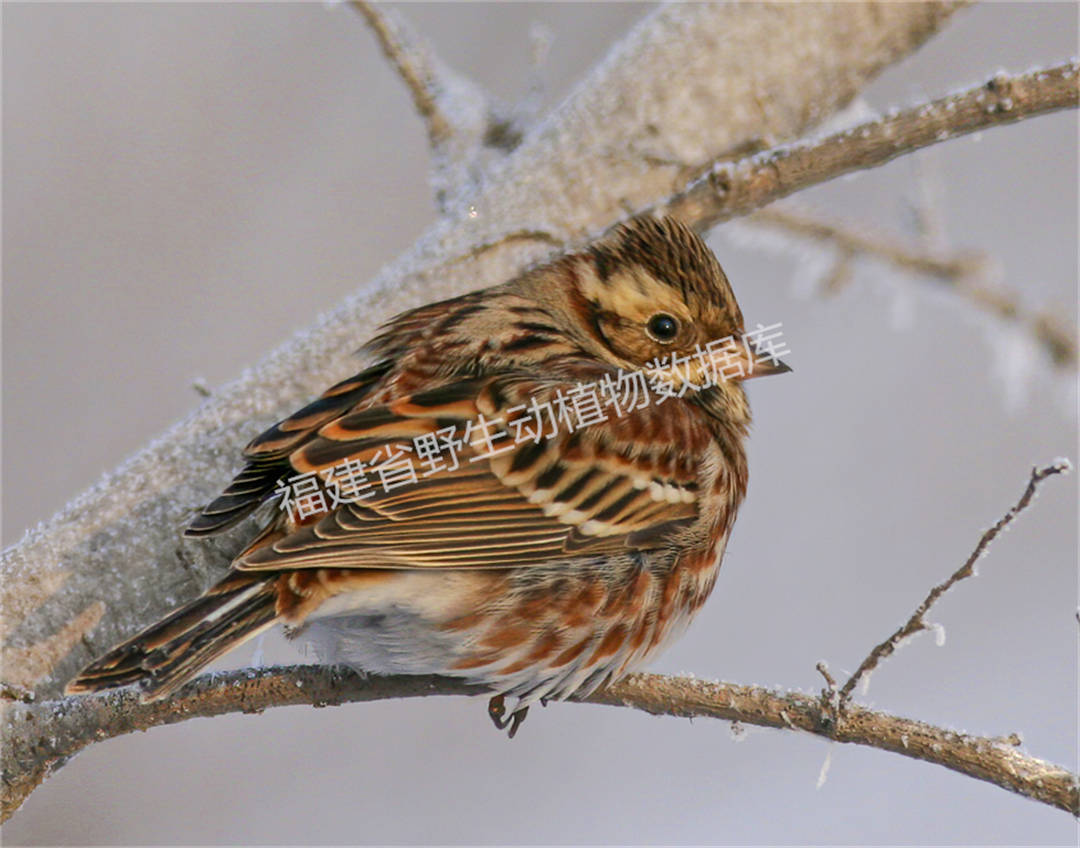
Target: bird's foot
497, 713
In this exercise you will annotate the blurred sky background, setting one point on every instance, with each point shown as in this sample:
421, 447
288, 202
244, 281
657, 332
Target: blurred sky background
186, 184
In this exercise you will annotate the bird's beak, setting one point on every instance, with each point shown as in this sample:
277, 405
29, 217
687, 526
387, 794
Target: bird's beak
765, 368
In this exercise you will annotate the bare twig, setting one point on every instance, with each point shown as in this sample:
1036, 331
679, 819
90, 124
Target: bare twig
964, 273
413, 63
917, 622
823, 670
41, 744
841, 274
852, 240
979, 757
467, 128
14, 692
830, 696
730, 189
1057, 337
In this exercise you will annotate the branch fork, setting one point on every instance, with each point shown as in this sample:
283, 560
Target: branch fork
917, 622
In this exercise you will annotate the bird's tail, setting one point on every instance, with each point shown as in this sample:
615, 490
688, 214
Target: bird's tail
167, 654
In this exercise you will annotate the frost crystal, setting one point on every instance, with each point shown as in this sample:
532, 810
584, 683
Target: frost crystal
858, 112
1016, 361
824, 773
899, 293
257, 654
1063, 463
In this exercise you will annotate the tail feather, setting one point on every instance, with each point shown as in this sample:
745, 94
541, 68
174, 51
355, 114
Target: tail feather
248, 490
167, 654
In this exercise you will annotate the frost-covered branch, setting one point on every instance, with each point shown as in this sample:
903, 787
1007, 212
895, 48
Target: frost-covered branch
414, 64
41, 744
962, 272
465, 124
42, 737
917, 622
730, 189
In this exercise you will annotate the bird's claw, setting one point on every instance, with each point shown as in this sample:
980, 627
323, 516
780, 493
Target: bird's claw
497, 713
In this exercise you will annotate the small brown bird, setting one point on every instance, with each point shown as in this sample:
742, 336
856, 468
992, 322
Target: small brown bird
502, 496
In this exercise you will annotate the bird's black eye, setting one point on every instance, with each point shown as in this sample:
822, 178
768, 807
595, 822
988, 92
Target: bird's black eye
662, 327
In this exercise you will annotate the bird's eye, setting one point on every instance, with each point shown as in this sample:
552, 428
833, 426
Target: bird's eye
662, 327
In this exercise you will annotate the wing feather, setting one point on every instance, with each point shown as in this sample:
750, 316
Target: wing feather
600, 489
267, 455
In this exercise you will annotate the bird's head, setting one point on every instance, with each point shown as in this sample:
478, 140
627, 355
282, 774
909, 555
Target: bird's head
650, 295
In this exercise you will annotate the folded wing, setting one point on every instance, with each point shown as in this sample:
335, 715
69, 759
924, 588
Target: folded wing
515, 484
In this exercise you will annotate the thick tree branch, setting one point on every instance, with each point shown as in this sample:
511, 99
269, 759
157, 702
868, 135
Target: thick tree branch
963, 273
730, 189
39, 745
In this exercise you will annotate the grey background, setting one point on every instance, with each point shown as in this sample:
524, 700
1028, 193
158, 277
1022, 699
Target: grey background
184, 185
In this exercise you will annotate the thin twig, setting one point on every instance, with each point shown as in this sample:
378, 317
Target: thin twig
917, 622
413, 64
468, 129
41, 743
963, 272
823, 670
949, 268
730, 189
14, 692
830, 696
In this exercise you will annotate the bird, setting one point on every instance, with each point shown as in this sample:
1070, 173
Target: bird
529, 487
